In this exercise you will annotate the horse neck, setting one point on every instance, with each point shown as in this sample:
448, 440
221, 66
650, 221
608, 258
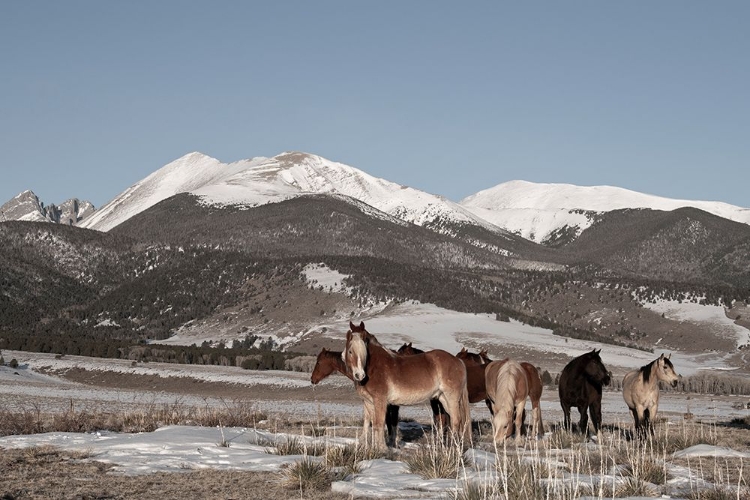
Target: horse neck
581, 369
649, 374
337, 363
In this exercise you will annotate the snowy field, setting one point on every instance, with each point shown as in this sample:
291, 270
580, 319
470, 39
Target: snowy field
183, 448
33, 385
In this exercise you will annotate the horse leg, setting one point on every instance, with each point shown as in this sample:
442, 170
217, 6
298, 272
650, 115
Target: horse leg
520, 416
583, 424
566, 416
367, 412
596, 416
636, 422
440, 418
648, 424
536, 418
391, 423
378, 423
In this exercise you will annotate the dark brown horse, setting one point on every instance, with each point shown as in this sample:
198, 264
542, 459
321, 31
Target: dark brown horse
332, 361
581, 383
387, 378
481, 359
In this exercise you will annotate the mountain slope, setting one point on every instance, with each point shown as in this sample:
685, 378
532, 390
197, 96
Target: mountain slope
546, 213
264, 180
685, 245
191, 172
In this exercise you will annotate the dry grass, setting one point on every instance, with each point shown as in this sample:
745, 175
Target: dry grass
49, 473
32, 420
525, 469
435, 458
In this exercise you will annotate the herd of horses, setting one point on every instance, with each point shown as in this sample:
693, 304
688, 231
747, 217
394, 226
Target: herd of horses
387, 379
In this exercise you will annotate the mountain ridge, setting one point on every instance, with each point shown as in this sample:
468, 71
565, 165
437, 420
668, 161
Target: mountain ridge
546, 213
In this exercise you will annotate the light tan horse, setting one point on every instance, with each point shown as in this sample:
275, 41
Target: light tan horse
640, 389
507, 388
386, 378
473, 360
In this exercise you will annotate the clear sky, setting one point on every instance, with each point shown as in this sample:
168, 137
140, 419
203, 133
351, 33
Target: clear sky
447, 97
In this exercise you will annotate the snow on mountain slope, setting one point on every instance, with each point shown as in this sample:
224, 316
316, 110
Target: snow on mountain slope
292, 174
185, 174
536, 210
263, 180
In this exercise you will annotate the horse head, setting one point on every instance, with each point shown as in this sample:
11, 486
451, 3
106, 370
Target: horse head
480, 358
355, 353
323, 367
595, 369
409, 350
665, 370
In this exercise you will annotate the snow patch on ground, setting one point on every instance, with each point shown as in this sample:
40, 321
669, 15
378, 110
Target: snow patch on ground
711, 315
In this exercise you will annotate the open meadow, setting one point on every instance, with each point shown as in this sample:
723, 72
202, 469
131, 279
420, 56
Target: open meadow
78, 427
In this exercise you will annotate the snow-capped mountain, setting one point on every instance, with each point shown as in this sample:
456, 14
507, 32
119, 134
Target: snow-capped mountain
539, 211
26, 206
262, 180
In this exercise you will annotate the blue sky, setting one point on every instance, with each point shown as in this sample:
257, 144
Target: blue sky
447, 97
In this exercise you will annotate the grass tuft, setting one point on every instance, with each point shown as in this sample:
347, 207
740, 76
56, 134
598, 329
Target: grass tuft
308, 475
436, 459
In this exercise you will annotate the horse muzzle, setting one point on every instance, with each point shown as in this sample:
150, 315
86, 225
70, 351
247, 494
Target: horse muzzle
359, 375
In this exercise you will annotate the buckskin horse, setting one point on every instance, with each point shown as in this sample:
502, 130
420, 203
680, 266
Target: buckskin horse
387, 378
640, 389
331, 361
580, 385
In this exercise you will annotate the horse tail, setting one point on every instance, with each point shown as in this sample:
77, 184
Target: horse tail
464, 410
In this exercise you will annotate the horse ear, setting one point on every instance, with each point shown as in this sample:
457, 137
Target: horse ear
409, 344
662, 356
351, 326
670, 355
463, 349
362, 325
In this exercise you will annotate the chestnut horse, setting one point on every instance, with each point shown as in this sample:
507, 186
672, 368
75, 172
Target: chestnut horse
474, 378
438, 412
507, 388
536, 386
640, 389
580, 385
331, 361
387, 378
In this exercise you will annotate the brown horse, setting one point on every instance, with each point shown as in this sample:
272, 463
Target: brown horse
387, 378
580, 385
331, 361
640, 389
507, 388
477, 358
536, 386
438, 412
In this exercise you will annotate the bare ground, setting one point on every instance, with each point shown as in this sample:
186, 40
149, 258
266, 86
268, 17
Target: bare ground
44, 472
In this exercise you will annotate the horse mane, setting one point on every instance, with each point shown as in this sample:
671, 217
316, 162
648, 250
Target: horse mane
509, 381
646, 370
